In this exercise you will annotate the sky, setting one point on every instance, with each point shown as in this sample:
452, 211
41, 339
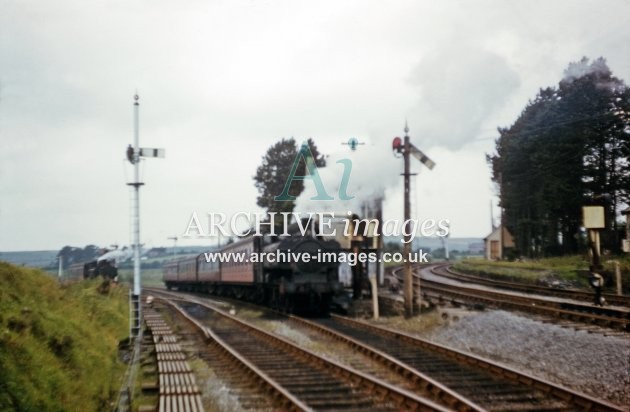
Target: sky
221, 81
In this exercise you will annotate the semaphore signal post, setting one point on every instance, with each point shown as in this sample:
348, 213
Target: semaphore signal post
406, 148
134, 153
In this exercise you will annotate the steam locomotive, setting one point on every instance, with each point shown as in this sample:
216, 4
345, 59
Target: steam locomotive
287, 283
88, 270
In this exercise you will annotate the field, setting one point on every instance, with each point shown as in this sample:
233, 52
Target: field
149, 277
59, 342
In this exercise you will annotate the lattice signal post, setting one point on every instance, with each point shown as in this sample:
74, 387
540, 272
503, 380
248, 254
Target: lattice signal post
134, 153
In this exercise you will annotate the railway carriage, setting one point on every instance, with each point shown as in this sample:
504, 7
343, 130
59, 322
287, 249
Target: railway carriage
76, 271
287, 283
208, 271
187, 271
235, 270
169, 273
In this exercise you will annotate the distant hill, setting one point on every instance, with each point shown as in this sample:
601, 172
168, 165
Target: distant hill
461, 244
34, 258
48, 258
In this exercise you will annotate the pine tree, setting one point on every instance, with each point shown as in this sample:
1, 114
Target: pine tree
569, 147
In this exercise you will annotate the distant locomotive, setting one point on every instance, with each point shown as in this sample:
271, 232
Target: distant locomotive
295, 285
92, 269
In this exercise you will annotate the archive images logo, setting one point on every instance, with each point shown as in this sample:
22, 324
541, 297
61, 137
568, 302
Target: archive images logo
306, 156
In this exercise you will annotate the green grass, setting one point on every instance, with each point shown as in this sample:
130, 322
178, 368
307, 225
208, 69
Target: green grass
414, 325
58, 343
529, 271
568, 268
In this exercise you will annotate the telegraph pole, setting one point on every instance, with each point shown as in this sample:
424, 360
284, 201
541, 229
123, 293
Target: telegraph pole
502, 217
60, 273
174, 239
407, 238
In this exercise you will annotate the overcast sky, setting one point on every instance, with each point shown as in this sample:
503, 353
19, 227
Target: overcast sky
221, 81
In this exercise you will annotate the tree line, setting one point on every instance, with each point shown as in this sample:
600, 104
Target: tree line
568, 148
71, 254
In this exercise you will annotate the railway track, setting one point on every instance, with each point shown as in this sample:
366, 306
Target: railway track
612, 299
298, 378
456, 380
368, 360
250, 393
607, 317
492, 386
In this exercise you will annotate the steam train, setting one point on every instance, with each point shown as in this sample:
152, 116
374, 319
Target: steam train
291, 285
88, 270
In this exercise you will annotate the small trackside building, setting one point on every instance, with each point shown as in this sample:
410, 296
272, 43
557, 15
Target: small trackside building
494, 249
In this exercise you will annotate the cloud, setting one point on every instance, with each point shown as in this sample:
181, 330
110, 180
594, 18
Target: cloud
373, 170
459, 87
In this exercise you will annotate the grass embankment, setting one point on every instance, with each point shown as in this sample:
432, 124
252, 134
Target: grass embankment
570, 270
58, 343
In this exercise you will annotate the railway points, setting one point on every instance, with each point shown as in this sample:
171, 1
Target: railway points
444, 290
305, 379
477, 384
